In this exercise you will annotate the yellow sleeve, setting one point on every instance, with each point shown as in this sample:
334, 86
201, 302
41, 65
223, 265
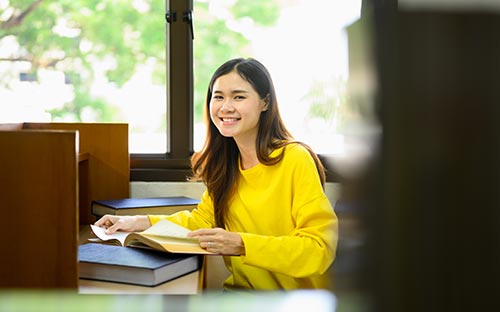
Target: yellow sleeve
308, 251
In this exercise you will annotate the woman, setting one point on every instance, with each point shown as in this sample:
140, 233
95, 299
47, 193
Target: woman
264, 208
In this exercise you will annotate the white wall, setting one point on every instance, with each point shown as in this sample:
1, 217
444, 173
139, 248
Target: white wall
195, 189
159, 189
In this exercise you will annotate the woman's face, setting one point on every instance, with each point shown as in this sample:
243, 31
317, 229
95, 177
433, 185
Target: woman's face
235, 108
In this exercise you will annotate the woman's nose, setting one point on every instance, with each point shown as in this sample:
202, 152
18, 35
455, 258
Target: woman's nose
227, 106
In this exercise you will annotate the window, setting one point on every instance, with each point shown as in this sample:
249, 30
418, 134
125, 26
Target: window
105, 61
86, 61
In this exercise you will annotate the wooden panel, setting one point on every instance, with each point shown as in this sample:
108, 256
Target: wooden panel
38, 188
105, 170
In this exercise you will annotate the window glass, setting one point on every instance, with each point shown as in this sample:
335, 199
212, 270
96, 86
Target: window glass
104, 61
86, 61
303, 43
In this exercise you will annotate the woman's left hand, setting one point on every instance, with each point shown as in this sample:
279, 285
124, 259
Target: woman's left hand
220, 241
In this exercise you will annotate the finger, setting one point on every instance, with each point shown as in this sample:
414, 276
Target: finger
105, 221
210, 241
113, 228
201, 232
101, 221
209, 245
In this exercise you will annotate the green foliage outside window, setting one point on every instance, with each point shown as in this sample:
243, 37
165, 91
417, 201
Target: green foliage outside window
74, 36
87, 38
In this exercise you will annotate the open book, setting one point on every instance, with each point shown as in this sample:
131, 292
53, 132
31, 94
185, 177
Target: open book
164, 236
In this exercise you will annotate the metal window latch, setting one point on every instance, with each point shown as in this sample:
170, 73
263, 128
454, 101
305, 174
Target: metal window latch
171, 16
188, 18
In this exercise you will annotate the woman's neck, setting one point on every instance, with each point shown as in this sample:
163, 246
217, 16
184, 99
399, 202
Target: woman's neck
248, 156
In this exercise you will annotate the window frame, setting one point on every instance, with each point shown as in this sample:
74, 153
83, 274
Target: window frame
174, 165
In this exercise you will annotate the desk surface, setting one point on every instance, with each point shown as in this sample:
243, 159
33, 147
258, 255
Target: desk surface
185, 285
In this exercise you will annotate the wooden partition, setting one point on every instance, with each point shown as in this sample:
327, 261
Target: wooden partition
39, 202
49, 174
104, 165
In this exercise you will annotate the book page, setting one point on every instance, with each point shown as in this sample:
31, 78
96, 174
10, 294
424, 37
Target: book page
168, 229
100, 232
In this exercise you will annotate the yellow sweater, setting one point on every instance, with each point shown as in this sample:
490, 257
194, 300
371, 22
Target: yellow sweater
287, 224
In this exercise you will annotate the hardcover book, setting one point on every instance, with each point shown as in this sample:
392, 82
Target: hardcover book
142, 206
164, 236
133, 266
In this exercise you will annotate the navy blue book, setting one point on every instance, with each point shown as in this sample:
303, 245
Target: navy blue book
133, 265
143, 206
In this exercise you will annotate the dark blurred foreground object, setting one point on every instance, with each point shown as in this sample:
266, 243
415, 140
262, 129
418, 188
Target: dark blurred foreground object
432, 195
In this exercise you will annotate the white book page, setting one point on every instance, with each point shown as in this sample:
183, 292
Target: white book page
167, 228
100, 232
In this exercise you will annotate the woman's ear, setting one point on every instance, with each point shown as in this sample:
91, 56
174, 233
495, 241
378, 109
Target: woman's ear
265, 101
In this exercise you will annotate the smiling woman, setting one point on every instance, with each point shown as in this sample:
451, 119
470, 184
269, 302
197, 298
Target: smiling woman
252, 211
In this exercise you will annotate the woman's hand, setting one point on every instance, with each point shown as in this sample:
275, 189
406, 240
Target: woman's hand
123, 223
220, 241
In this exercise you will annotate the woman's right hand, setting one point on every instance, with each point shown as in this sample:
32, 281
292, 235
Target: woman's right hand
123, 223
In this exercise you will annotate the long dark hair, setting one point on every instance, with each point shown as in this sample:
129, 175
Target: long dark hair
217, 163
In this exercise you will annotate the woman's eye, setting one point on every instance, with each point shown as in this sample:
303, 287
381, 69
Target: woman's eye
239, 97
217, 97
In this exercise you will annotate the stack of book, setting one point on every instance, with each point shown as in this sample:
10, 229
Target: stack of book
133, 265
142, 206
162, 252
